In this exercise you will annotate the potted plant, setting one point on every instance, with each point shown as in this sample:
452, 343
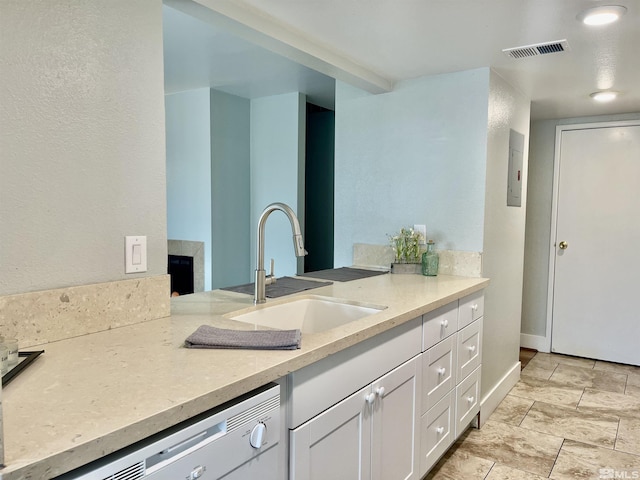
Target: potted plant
406, 248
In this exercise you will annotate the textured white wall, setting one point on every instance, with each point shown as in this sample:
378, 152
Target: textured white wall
503, 236
415, 155
82, 144
188, 132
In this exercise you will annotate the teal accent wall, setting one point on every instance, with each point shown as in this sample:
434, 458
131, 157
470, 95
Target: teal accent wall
277, 173
188, 141
416, 155
230, 192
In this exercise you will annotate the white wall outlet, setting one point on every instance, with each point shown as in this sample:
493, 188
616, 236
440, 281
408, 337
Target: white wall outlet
422, 230
135, 254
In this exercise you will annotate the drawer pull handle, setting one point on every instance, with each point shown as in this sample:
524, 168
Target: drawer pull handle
380, 392
442, 371
472, 348
470, 399
444, 323
370, 398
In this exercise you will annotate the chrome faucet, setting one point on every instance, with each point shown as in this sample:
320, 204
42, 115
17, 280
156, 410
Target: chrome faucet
262, 280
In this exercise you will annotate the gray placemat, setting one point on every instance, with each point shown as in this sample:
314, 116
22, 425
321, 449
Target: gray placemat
283, 286
344, 274
207, 336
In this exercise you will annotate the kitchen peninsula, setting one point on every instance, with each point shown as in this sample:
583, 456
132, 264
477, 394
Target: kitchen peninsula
91, 395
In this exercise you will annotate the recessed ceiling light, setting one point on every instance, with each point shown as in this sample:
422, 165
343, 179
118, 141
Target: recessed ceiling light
602, 15
604, 96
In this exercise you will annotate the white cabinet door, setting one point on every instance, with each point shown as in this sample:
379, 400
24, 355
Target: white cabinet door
395, 424
335, 444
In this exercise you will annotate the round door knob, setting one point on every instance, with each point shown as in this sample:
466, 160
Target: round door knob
380, 392
440, 430
444, 323
257, 435
472, 348
441, 371
370, 398
563, 245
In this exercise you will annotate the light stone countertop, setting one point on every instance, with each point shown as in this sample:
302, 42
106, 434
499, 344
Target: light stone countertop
88, 396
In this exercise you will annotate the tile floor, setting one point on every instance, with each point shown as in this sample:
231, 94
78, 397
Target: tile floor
567, 418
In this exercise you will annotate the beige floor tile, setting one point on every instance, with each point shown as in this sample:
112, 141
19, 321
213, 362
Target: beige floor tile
633, 384
618, 404
581, 461
547, 391
513, 446
580, 377
616, 367
629, 436
511, 410
633, 390
456, 465
556, 359
541, 371
502, 472
594, 428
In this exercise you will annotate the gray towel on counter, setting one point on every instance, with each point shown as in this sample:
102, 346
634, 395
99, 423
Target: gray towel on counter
207, 336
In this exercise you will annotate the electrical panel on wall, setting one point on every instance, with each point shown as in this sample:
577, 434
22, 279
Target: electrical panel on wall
514, 179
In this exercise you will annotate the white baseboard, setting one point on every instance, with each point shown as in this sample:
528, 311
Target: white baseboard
537, 342
493, 398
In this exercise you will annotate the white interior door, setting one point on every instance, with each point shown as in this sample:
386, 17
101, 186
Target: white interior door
596, 290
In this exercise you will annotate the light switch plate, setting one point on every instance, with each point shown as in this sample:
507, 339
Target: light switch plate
135, 254
422, 230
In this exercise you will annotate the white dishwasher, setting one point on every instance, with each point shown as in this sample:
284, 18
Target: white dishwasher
239, 440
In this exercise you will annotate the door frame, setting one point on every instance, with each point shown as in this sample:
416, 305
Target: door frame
554, 210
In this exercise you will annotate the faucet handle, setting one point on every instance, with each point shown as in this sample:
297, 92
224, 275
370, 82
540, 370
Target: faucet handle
271, 278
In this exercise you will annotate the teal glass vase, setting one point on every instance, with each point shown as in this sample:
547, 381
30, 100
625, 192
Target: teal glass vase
430, 260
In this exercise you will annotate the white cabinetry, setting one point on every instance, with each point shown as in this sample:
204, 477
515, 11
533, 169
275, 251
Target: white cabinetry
451, 366
370, 434
389, 407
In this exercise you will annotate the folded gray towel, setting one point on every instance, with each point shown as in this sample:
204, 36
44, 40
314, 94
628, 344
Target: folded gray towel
207, 336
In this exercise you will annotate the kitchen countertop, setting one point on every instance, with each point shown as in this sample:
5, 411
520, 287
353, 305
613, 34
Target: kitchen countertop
91, 395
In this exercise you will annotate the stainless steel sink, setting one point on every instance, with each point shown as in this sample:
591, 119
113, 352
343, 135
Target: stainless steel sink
309, 314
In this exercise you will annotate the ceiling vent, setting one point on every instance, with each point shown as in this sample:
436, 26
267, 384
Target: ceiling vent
537, 49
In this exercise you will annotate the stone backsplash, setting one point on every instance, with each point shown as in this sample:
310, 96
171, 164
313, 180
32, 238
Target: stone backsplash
36, 318
452, 262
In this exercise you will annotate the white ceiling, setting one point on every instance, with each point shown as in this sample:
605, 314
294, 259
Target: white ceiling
393, 40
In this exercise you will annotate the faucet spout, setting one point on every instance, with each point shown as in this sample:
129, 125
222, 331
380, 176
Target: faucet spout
298, 245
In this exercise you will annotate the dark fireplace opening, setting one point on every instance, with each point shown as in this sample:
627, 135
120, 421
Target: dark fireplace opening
181, 271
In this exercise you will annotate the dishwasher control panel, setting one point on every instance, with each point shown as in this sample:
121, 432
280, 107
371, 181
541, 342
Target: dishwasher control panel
236, 441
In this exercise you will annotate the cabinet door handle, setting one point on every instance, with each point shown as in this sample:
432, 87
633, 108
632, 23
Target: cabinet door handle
470, 399
442, 371
444, 323
440, 430
472, 348
370, 398
380, 392
474, 307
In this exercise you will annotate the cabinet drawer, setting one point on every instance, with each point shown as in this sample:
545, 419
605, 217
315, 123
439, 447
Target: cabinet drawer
437, 429
467, 401
317, 386
439, 324
471, 308
438, 371
469, 349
